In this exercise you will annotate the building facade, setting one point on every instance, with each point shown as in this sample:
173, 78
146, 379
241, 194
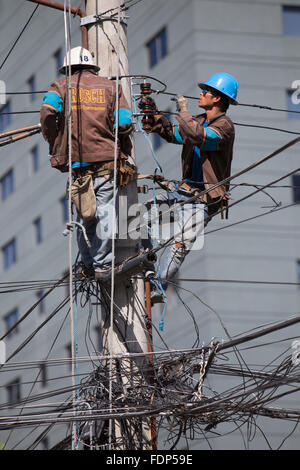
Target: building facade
183, 43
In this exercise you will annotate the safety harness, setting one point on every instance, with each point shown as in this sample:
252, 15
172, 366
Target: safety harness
126, 171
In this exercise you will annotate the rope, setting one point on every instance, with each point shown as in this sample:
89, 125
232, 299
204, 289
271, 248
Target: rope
114, 225
67, 28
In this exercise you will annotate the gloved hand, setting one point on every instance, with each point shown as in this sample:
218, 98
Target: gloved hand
182, 103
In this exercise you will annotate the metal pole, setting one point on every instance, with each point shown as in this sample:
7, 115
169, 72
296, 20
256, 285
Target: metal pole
18, 131
74, 11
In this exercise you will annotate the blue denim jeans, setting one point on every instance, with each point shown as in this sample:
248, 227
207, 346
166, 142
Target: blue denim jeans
185, 234
99, 229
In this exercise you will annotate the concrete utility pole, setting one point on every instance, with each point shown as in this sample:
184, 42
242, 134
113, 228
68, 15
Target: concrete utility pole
108, 44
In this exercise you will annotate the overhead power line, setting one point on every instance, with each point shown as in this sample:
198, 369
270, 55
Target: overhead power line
235, 281
15, 43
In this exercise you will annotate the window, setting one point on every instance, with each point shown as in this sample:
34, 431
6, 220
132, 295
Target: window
69, 354
41, 305
43, 374
291, 20
32, 87
58, 61
13, 390
9, 253
298, 271
10, 320
157, 141
37, 223
5, 119
45, 443
293, 104
35, 159
66, 281
98, 334
296, 188
157, 48
65, 209
7, 185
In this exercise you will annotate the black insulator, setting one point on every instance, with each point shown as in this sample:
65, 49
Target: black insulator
145, 88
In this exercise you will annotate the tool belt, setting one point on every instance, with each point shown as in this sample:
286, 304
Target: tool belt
213, 204
184, 187
126, 171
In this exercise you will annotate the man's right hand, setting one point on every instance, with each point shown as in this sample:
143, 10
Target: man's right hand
182, 103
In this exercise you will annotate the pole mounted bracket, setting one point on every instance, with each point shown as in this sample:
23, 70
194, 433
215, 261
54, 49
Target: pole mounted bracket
93, 19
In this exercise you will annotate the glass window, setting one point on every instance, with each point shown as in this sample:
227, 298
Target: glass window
58, 57
32, 87
7, 185
43, 374
157, 141
157, 48
291, 20
292, 104
35, 159
66, 282
65, 209
68, 348
41, 305
98, 334
5, 118
45, 443
9, 253
13, 390
38, 230
298, 270
10, 320
296, 188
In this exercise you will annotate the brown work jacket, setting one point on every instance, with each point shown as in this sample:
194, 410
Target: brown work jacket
216, 164
93, 101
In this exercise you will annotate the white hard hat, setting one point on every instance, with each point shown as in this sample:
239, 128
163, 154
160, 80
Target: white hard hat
79, 56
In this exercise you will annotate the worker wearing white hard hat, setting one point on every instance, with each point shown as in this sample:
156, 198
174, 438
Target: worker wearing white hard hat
93, 120
79, 56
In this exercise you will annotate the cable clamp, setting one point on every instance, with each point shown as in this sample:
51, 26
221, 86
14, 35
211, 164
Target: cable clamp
92, 19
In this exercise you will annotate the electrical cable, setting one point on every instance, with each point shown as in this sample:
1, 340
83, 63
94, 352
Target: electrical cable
36, 379
30, 310
235, 281
31, 336
68, 86
230, 178
269, 108
17, 39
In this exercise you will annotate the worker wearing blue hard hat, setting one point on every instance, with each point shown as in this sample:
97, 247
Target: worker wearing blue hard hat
207, 143
222, 83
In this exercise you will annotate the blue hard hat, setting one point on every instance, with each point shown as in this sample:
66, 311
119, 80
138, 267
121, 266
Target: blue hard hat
224, 83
